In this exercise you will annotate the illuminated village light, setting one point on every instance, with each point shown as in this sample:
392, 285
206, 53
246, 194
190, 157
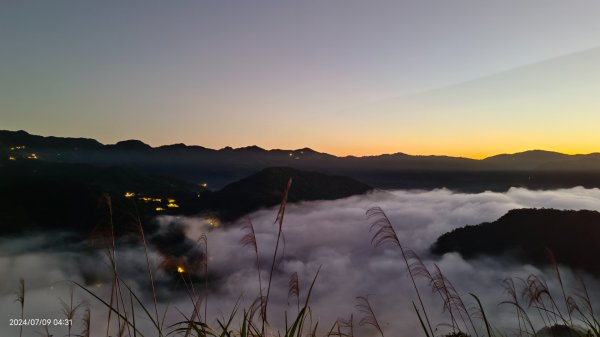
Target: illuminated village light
159, 209
214, 222
148, 199
180, 269
12, 158
129, 194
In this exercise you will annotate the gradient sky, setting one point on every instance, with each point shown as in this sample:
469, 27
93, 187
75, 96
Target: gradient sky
468, 78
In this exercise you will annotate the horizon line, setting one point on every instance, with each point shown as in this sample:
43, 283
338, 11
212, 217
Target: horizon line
309, 148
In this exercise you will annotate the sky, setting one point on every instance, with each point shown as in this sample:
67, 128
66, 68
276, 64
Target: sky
463, 78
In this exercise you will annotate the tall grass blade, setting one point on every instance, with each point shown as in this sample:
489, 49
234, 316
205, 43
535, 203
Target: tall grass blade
483, 315
112, 309
20, 298
279, 221
385, 234
420, 320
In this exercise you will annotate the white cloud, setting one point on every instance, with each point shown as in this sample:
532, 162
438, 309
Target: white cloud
331, 234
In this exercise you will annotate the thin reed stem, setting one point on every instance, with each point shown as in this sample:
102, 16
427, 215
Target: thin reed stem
148, 265
20, 298
385, 233
279, 220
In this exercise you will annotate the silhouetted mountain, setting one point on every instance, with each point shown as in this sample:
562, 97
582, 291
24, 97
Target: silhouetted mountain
38, 195
130, 145
17, 138
527, 234
545, 161
526, 160
41, 195
196, 164
266, 188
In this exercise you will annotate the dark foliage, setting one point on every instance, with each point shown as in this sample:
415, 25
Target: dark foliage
264, 189
39, 195
528, 234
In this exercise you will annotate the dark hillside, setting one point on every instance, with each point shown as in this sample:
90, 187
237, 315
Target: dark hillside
266, 188
218, 167
36, 195
526, 234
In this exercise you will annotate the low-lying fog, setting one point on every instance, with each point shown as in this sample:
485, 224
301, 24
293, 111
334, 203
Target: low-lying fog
331, 234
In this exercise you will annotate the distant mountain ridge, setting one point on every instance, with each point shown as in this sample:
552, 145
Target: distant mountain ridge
16, 138
21, 137
197, 164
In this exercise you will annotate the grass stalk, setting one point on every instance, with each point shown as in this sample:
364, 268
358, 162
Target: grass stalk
148, 265
20, 298
369, 317
385, 233
250, 240
279, 221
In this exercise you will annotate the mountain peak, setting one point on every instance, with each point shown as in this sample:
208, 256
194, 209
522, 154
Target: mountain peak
530, 154
306, 150
265, 188
131, 144
251, 148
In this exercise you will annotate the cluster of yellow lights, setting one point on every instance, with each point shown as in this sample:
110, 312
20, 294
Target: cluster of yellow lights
214, 222
205, 185
12, 158
17, 148
32, 156
180, 269
171, 202
147, 199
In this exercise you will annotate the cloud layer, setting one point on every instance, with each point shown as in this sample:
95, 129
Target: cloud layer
332, 235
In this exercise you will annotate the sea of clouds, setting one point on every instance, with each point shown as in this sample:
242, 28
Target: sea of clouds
331, 235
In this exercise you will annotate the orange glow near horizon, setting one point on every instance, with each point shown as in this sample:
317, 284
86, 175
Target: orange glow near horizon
473, 150
455, 142
475, 144
468, 153
471, 147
